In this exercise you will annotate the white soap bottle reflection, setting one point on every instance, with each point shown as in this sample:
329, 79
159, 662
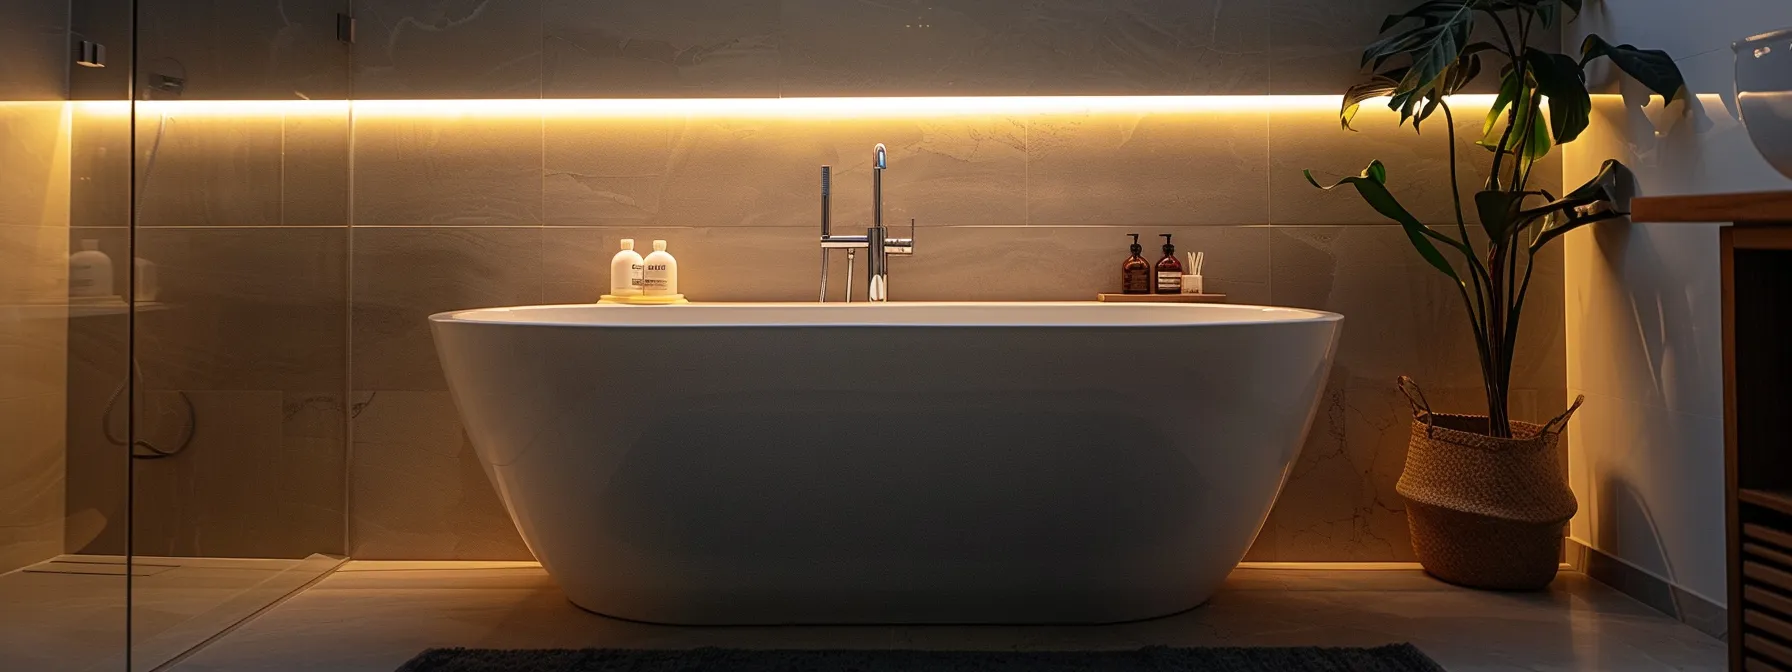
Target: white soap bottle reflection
660, 277
89, 273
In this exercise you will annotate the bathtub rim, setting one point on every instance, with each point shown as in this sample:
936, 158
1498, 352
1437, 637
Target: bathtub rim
1293, 316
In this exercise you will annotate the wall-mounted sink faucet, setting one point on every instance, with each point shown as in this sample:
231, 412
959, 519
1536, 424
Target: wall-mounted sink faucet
877, 241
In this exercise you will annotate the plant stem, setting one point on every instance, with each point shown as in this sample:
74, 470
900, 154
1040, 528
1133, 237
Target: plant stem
1478, 307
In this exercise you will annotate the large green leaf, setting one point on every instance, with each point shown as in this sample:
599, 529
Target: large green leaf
1435, 47
1376, 86
1559, 78
1594, 201
1372, 186
1530, 139
1498, 210
1510, 87
1653, 68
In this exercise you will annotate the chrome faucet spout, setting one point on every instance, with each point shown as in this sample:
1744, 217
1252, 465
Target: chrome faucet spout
877, 241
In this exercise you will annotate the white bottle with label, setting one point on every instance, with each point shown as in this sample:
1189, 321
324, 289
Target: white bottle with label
625, 270
660, 277
89, 273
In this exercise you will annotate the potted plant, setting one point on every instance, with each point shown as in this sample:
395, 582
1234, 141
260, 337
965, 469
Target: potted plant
1487, 496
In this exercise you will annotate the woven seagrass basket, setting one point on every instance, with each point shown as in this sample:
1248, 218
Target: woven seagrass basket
1485, 512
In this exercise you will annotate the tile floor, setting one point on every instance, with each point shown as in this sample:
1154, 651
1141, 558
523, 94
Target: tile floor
68, 613
373, 616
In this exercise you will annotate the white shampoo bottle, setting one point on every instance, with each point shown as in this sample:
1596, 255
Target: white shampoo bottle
625, 270
89, 272
660, 278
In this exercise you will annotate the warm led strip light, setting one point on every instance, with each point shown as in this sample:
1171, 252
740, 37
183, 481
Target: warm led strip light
829, 108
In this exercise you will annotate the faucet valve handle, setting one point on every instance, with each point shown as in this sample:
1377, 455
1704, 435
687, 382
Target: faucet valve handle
902, 246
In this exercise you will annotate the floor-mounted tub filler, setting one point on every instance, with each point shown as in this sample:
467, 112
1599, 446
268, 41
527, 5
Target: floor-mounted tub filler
888, 463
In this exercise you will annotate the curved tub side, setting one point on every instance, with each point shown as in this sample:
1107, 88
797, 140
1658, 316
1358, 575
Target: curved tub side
997, 475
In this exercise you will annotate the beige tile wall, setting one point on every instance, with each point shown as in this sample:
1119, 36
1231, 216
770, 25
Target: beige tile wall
308, 287
34, 151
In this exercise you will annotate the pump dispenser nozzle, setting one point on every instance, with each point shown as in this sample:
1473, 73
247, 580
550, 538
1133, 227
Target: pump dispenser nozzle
1135, 272
1169, 270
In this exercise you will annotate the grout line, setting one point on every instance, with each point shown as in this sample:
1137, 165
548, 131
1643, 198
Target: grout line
348, 340
233, 627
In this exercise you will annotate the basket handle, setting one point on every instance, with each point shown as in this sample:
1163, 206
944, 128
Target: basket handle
1560, 422
1421, 409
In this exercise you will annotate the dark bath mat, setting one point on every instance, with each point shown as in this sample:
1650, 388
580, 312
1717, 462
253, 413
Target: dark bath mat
1390, 658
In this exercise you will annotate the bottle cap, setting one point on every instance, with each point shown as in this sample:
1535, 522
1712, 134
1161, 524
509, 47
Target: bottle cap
628, 243
659, 246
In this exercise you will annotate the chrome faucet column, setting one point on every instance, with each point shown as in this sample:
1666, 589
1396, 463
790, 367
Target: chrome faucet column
876, 241
877, 259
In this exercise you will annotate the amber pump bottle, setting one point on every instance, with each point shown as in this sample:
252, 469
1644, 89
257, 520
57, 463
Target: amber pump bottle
1169, 270
1135, 272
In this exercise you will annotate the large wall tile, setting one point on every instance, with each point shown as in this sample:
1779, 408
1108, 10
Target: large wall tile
37, 257
705, 171
315, 166
245, 308
1203, 167
1401, 317
34, 148
240, 488
419, 492
100, 167
98, 468
205, 170
33, 469
34, 46
654, 49
421, 169
33, 352
404, 274
991, 47
1068, 263
448, 49
245, 49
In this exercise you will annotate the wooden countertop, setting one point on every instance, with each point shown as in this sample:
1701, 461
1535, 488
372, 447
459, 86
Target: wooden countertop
1762, 207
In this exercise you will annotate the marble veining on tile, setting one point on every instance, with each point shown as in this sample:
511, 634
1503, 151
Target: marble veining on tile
989, 47
245, 49
448, 49
962, 170
677, 48
402, 275
412, 170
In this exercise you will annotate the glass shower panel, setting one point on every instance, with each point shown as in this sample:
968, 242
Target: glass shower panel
64, 323
240, 348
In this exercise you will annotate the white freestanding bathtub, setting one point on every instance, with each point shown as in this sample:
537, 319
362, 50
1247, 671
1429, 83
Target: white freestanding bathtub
887, 463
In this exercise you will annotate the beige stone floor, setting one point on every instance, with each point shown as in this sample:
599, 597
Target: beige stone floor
68, 613
373, 616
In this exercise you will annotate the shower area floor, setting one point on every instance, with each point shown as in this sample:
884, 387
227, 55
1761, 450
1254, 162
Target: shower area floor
66, 613
373, 616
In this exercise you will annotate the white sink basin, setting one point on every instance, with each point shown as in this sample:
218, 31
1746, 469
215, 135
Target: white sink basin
1764, 95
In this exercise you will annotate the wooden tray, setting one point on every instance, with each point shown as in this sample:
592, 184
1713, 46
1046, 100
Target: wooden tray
1161, 298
